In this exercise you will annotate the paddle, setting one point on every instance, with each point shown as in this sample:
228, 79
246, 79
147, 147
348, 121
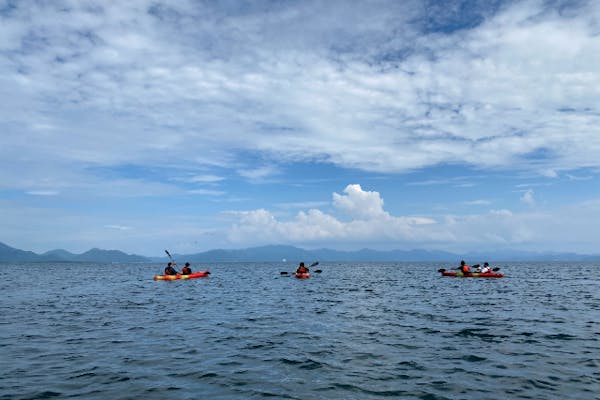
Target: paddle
171, 258
318, 271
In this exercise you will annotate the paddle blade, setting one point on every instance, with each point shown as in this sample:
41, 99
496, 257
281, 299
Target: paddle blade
475, 266
442, 270
314, 264
283, 273
496, 269
318, 271
166, 251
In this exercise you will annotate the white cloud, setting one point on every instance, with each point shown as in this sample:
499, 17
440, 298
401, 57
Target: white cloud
521, 83
207, 192
477, 231
205, 178
118, 227
258, 174
369, 222
92, 88
528, 197
43, 192
479, 202
360, 204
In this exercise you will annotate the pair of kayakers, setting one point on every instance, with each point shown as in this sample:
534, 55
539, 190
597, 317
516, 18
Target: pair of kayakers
170, 269
465, 269
486, 269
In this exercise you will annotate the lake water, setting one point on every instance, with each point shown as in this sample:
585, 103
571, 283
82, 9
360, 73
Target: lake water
355, 331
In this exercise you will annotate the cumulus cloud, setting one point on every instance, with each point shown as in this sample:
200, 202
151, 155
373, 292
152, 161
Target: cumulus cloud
492, 229
360, 204
368, 223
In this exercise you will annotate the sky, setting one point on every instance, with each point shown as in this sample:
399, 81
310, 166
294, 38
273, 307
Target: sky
190, 125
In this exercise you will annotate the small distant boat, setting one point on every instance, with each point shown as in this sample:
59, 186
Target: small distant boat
199, 274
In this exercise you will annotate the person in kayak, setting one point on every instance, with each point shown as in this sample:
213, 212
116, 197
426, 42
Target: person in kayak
302, 269
486, 268
464, 268
186, 270
169, 270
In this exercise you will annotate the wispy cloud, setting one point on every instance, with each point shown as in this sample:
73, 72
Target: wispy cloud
258, 174
43, 192
205, 178
207, 192
479, 202
118, 227
528, 197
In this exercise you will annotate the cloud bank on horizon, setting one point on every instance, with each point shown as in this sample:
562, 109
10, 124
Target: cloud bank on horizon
201, 125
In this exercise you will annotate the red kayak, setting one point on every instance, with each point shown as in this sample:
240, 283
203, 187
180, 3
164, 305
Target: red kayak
472, 275
302, 275
199, 274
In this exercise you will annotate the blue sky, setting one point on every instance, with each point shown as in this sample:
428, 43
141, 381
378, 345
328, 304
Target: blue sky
144, 125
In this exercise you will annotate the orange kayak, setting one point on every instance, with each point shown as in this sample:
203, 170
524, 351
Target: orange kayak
199, 274
303, 275
473, 275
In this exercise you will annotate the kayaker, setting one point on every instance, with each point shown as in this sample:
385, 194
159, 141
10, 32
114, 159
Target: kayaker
464, 268
302, 269
486, 268
169, 270
186, 270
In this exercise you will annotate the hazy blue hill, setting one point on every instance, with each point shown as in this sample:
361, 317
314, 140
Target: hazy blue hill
277, 253
377, 255
99, 255
8, 253
58, 255
257, 254
519, 255
291, 253
295, 254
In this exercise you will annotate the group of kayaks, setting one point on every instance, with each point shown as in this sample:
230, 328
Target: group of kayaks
306, 275
463, 272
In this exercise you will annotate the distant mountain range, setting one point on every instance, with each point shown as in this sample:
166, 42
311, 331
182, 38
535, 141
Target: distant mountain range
11, 254
289, 253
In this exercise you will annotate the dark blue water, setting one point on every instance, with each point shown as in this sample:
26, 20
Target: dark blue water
355, 331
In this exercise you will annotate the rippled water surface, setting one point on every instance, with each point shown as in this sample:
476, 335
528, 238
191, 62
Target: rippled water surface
355, 331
